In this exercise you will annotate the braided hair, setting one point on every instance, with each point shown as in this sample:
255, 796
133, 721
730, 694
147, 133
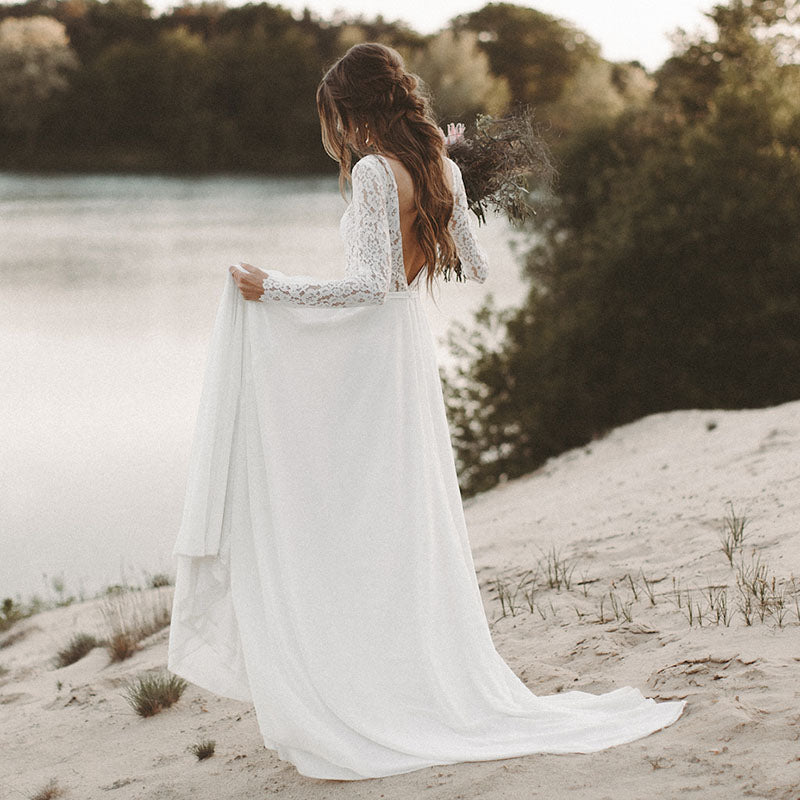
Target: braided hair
368, 102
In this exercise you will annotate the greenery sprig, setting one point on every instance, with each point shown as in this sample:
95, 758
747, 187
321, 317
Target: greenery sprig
503, 160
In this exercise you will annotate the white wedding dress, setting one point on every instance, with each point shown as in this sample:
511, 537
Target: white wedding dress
324, 570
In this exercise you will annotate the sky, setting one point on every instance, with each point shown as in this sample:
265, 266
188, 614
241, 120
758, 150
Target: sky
627, 30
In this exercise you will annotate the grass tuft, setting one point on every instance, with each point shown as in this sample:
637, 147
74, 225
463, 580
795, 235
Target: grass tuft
648, 587
13, 638
11, 612
754, 594
122, 645
622, 610
204, 749
49, 792
133, 615
558, 571
732, 534
78, 646
150, 694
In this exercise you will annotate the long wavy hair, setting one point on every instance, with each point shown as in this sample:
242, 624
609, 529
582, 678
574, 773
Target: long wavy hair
368, 102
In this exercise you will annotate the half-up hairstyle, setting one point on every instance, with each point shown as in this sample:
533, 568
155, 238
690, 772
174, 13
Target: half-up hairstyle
368, 103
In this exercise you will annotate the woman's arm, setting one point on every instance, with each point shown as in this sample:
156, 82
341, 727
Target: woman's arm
474, 263
370, 283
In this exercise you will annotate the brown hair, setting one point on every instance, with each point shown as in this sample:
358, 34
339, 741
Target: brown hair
367, 103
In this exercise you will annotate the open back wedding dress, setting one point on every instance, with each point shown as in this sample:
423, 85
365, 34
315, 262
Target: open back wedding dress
324, 570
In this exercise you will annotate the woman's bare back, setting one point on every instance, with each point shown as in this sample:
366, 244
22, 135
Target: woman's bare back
413, 257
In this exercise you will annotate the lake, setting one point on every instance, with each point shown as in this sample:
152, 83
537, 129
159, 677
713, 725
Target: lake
108, 290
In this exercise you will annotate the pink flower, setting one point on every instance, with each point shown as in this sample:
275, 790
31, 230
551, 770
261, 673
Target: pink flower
455, 131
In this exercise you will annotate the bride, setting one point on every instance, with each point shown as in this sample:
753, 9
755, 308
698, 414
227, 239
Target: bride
324, 570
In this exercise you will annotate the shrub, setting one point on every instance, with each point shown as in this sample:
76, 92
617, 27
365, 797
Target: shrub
160, 579
77, 647
153, 693
665, 276
10, 612
49, 792
204, 749
134, 615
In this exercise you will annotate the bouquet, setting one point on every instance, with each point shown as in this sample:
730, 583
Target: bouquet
502, 160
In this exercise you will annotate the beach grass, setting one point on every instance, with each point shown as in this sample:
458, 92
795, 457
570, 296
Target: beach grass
159, 579
732, 535
203, 749
49, 792
150, 694
753, 594
78, 646
133, 615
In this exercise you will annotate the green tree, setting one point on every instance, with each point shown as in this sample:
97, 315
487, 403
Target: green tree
154, 99
534, 52
598, 90
264, 85
94, 25
35, 63
457, 72
666, 275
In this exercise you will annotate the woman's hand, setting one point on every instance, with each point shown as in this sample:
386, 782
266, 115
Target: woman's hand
249, 279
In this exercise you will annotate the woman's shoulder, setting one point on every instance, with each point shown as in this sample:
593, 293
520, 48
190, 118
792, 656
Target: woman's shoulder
370, 161
375, 164
373, 169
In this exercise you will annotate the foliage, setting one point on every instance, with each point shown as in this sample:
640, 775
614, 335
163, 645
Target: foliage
209, 88
534, 52
10, 612
203, 749
131, 616
458, 74
503, 160
35, 61
159, 579
78, 646
150, 694
598, 91
666, 275
49, 792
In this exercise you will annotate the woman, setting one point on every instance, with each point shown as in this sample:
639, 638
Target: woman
324, 569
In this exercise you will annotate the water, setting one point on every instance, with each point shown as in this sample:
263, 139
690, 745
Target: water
108, 289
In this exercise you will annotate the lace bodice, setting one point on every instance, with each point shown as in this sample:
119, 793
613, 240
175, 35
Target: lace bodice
370, 228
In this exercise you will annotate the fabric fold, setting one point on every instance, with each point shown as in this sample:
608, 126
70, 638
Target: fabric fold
201, 525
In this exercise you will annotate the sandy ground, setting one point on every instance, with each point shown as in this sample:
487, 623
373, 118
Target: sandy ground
647, 501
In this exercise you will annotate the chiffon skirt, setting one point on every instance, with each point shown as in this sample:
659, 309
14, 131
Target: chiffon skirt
324, 569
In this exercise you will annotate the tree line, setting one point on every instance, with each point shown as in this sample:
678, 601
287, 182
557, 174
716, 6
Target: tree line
94, 85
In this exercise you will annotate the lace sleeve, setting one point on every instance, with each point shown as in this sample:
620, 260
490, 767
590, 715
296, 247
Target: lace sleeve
474, 263
373, 266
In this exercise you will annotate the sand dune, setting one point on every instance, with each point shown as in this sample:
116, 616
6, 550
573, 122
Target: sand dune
637, 513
